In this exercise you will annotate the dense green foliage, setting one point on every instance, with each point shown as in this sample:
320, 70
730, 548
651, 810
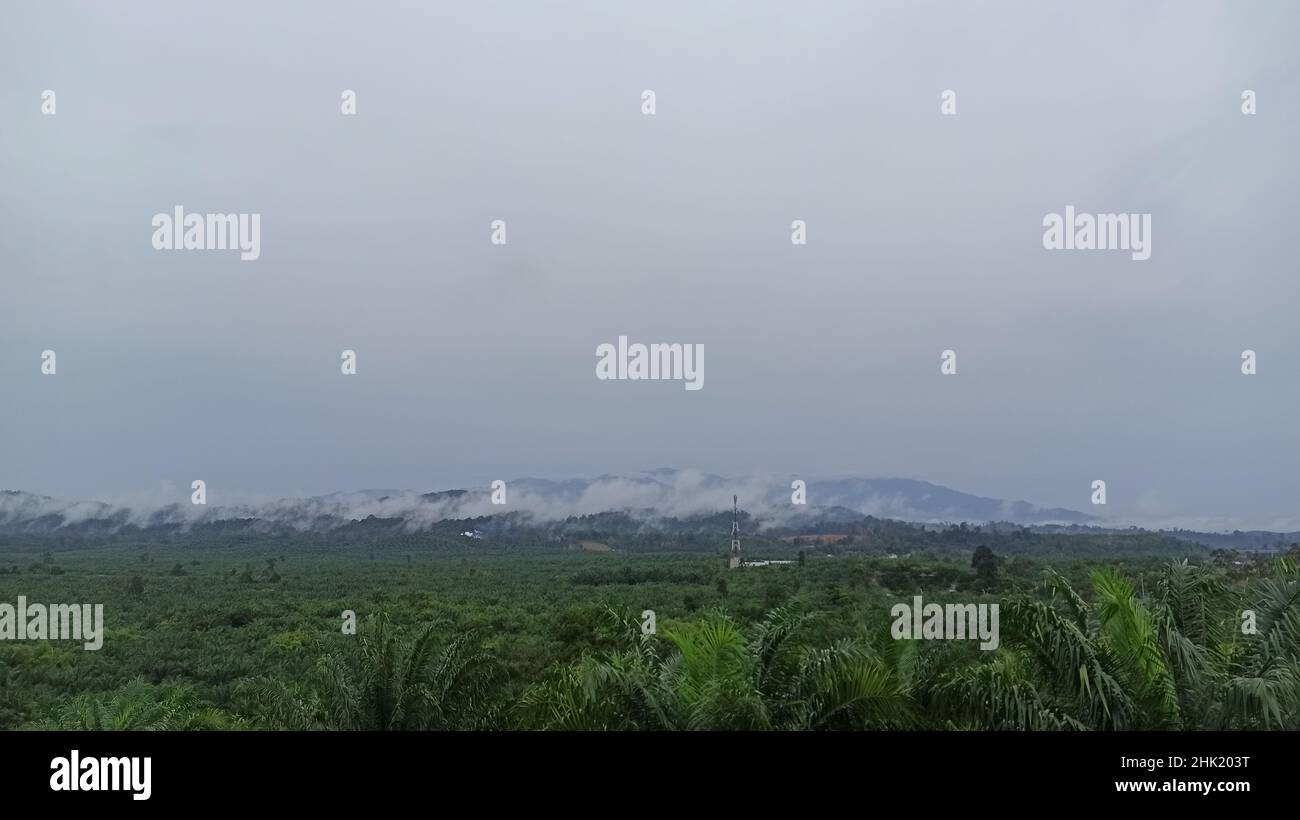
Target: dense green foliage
248, 635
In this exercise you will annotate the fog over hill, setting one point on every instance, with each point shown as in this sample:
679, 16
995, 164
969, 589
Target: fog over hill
664, 500
656, 493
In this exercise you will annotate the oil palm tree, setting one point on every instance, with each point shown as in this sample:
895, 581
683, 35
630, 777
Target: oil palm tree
626, 689
1174, 661
389, 683
707, 675
1259, 687
138, 706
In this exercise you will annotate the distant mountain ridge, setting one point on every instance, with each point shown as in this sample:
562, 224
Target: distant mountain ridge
663, 492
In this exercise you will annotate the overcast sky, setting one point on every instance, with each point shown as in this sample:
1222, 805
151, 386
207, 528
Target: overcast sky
477, 361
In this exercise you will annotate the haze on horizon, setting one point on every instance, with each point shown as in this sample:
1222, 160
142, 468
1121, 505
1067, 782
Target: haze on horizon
476, 361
